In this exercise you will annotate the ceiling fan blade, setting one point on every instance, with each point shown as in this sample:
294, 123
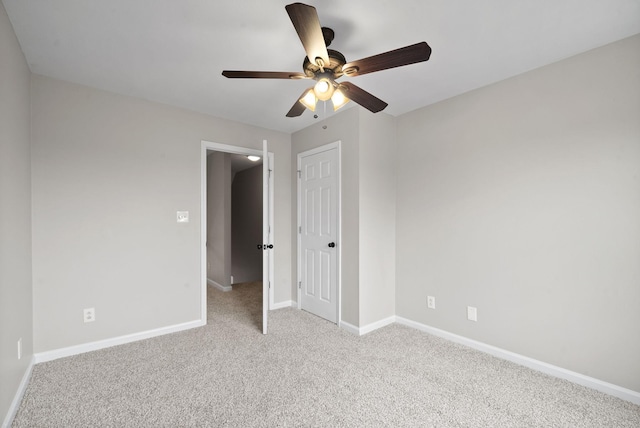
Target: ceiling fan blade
305, 21
233, 74
298, 108
362, 97
396, 58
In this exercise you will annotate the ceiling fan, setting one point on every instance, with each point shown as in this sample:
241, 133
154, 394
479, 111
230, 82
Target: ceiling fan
325, 66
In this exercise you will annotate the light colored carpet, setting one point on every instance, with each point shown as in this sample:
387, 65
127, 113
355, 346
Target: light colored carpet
305, 372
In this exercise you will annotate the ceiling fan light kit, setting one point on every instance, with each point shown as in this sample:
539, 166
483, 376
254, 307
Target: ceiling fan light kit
338, 99
312, 96
309, 100
323, 89
325, 66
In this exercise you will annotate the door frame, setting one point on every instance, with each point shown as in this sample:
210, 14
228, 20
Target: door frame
238, 150
338, 146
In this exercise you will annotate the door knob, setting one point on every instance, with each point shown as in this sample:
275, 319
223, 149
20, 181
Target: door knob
259, 246
268, 246
332, 244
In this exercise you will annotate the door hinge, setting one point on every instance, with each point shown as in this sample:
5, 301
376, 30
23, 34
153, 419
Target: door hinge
299, 173
269, 284
299, 229
299, 284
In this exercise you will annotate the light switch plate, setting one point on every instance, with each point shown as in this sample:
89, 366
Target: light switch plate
182, 216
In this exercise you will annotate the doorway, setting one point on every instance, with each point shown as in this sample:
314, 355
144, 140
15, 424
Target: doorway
246, 219
319, 249
227, 154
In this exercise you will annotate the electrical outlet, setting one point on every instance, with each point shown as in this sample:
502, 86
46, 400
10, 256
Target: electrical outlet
431, 302
472, 313
182, 216
89, 315
20, 348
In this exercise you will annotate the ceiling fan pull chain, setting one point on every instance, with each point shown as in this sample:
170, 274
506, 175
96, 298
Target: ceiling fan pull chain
325, 115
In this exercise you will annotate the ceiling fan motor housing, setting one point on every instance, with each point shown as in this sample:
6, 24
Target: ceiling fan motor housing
336, 61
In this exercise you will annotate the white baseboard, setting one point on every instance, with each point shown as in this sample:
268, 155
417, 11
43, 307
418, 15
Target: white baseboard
17, 398
376, 325
219, 286
350, 328
281, 305
42, 357
559, 372
360, 331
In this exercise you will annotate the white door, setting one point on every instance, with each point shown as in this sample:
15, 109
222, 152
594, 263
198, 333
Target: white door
318, 187
267, 240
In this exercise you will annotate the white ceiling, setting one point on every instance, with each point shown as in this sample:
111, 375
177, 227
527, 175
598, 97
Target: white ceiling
173, 51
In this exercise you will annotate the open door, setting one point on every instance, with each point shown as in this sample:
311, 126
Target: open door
267, 240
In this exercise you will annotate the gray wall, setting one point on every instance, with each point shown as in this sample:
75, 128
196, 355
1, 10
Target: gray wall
15, 215
219, 218
246, 225
523, 199
377, 217
109, 174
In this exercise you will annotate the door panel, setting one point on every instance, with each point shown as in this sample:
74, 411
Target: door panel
310, 205
325, 276
309, 276
318, 189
